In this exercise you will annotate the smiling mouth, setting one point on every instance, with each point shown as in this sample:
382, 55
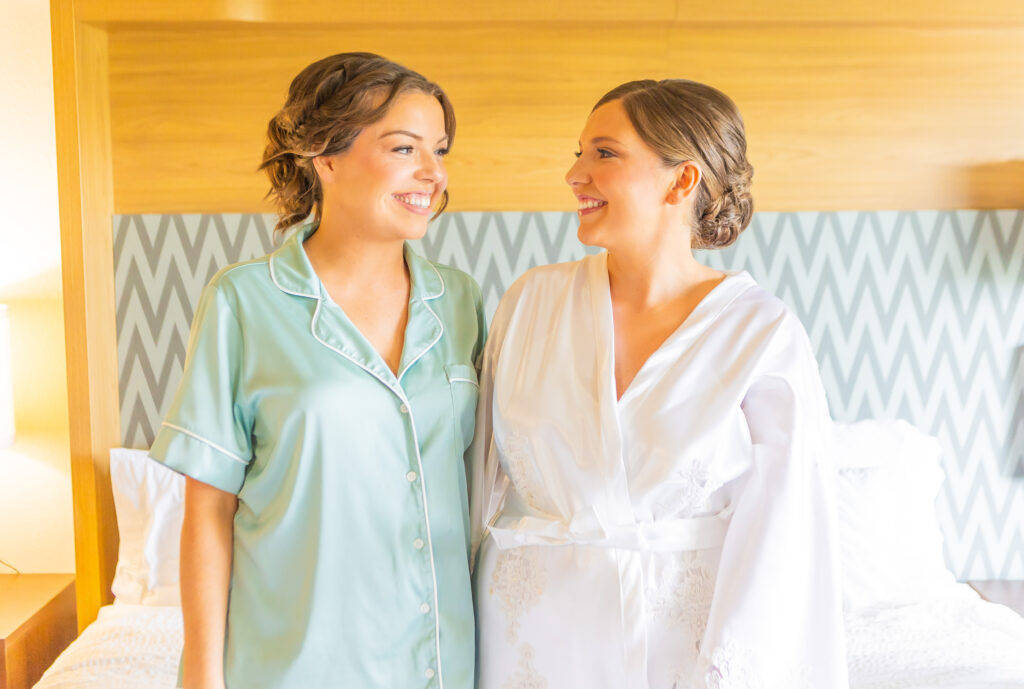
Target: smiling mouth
588, 206
417, 203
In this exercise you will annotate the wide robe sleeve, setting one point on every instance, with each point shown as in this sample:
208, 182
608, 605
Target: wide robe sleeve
484, 475
776, 615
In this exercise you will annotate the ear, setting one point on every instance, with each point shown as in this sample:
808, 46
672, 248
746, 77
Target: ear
324, 166
687, 177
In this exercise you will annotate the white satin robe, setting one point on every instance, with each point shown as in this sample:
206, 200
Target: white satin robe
680, 537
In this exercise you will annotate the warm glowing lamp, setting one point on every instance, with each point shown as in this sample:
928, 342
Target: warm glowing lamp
6, 386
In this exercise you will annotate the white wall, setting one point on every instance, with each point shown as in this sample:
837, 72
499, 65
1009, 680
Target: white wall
36, 531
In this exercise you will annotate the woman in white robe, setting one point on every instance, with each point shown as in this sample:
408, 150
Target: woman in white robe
651, 494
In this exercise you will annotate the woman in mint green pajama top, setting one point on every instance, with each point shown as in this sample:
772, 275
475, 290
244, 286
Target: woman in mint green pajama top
337, 451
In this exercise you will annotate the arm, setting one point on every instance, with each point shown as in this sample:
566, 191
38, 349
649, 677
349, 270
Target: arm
484, 475
206, 546
486, 480
777, 611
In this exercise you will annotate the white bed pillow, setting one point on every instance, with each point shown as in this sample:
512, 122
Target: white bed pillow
889, 476
149, 500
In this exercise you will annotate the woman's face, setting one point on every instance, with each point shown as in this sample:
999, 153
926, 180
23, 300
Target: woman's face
621, 184
386, 185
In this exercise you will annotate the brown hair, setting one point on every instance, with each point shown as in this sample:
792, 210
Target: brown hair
329, 103
685, 120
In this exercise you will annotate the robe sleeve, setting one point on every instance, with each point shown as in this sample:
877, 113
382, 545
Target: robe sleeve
487, 482
776, 615
483, 469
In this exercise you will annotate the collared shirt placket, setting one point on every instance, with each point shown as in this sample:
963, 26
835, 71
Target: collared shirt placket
393, 383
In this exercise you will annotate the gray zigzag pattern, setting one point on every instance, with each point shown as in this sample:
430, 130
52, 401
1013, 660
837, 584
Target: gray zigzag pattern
161, 265
917, 315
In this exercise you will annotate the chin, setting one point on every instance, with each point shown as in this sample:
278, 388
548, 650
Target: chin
589, 235
413, 233
408, 230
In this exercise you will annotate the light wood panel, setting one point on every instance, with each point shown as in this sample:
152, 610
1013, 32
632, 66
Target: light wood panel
872, 118
190, 109
332, 12
849, 117
86, 204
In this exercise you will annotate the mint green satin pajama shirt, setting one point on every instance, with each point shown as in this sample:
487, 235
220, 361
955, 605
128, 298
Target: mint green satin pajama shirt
351, 539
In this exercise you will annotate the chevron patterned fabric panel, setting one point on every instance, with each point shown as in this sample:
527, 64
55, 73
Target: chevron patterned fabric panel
915, 315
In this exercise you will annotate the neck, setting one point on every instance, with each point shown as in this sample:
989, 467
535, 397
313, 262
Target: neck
339, 252
645, 277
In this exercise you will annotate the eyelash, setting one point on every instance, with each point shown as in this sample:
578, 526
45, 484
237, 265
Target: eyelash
442, 152
602, 153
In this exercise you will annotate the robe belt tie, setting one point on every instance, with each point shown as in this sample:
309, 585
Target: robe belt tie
586, 528
628, 540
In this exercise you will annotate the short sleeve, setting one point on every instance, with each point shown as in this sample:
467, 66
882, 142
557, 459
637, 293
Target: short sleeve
776, 615
207, 434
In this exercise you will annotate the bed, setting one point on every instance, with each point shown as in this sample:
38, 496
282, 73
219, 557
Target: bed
910, 624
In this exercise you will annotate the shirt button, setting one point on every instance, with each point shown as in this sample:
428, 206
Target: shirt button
411, 476
418, 544
404, 409
429, 674
424, 608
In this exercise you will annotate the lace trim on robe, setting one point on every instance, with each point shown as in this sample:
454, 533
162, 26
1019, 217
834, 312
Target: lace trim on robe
517, 582
686, 492
515, 450
733, 666
682, 592
526, 676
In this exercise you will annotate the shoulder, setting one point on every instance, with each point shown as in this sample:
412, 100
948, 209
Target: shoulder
761, 310
540, 283
232, 283
760, 327
539, 294
458, 285
242, 275
551, 274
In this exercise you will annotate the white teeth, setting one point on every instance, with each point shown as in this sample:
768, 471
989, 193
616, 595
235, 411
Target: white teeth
591, 203
418, 200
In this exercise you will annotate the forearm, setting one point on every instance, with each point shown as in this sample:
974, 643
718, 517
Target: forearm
206, 547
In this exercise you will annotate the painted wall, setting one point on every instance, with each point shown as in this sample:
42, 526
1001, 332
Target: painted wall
35, 481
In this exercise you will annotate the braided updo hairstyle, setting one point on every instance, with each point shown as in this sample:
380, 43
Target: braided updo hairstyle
329, 103
684, 120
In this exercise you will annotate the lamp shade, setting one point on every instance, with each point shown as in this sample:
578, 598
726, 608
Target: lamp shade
6, 386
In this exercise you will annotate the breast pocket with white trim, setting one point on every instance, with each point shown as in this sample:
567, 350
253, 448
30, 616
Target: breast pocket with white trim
465, 389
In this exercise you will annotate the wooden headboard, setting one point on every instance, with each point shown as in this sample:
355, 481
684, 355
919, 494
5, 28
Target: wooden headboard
161, 107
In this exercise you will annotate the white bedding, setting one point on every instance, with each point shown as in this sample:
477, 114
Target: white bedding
952, 641
127, 647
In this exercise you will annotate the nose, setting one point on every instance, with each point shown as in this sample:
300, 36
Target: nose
577, 173
431, 168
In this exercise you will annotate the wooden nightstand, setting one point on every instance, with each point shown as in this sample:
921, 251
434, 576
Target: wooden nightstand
1008, 593
37, 622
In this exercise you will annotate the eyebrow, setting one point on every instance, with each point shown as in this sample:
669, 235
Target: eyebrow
603, 139
404, 132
